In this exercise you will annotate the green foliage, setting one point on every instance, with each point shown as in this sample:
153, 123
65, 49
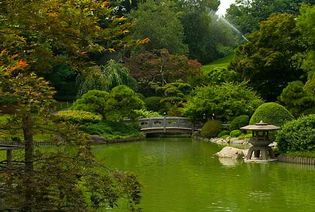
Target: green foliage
305, 23
142, 113
76, 183
223, 133
224, 101
77, 116
206, 35
296, 99
239, 121
297, 135
304, 154
211, 129
64, 41
271, 113
235, 133
310, 85
111, 130
63, 79
160, 23
93, 101
105, 77
219, 76
153, 103
269, 60
121, 103
246, 15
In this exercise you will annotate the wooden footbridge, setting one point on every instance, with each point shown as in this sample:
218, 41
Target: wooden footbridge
166, 125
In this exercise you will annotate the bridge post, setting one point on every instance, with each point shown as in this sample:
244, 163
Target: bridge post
164, 124
9, 156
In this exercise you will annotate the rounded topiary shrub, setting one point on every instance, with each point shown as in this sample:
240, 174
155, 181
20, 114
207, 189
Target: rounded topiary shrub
153, 103
223, 133
239, 121
271, 113
235, 133
211, 128
297, 135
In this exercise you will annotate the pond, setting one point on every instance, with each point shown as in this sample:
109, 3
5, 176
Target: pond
180, 174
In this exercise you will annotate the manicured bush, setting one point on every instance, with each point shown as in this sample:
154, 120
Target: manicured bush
224, 101
93, 101
77, 116
111, 130
239, 121
271, 113
211, 129
142, 113
297, 135
223, 133
153, 103
235, 133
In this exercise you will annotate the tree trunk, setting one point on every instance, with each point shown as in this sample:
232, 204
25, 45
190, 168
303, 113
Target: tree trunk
28, 158
28, 142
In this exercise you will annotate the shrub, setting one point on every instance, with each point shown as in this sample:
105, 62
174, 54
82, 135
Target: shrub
142, 113
224, 101
235, 133
93, 101
77, 116
296, 99
211, 129
153, 103
297, 135
223, 133
271, 113
111, 130
239, 121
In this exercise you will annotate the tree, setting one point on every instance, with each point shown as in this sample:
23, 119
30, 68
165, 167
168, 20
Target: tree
296, 99
121, 103
53, 32
205, 33
246, 15
222, 101
161, 67
93, 101
160, 23
76, 182
105, 77
269, 60
306, 25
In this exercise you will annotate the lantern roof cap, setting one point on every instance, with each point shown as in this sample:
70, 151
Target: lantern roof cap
261, 126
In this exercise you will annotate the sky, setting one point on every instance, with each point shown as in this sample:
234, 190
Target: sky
223, 6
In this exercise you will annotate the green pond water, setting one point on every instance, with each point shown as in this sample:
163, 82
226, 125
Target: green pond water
180, 174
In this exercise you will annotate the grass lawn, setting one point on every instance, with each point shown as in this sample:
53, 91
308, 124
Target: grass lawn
220, 63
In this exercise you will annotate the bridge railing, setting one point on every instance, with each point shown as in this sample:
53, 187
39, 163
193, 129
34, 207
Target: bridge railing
165, 122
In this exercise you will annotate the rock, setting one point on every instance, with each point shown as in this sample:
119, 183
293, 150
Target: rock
220, 141
97, 139
230, 152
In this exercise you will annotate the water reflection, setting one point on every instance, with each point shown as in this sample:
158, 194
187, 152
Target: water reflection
229, 162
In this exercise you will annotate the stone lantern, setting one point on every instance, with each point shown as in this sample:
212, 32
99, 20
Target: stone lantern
260, 151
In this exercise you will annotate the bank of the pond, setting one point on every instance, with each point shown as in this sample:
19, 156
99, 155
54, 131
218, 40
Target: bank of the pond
307, 158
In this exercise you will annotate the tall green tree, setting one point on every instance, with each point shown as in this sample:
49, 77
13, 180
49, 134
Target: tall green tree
269, 60
160, 23
246, 15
